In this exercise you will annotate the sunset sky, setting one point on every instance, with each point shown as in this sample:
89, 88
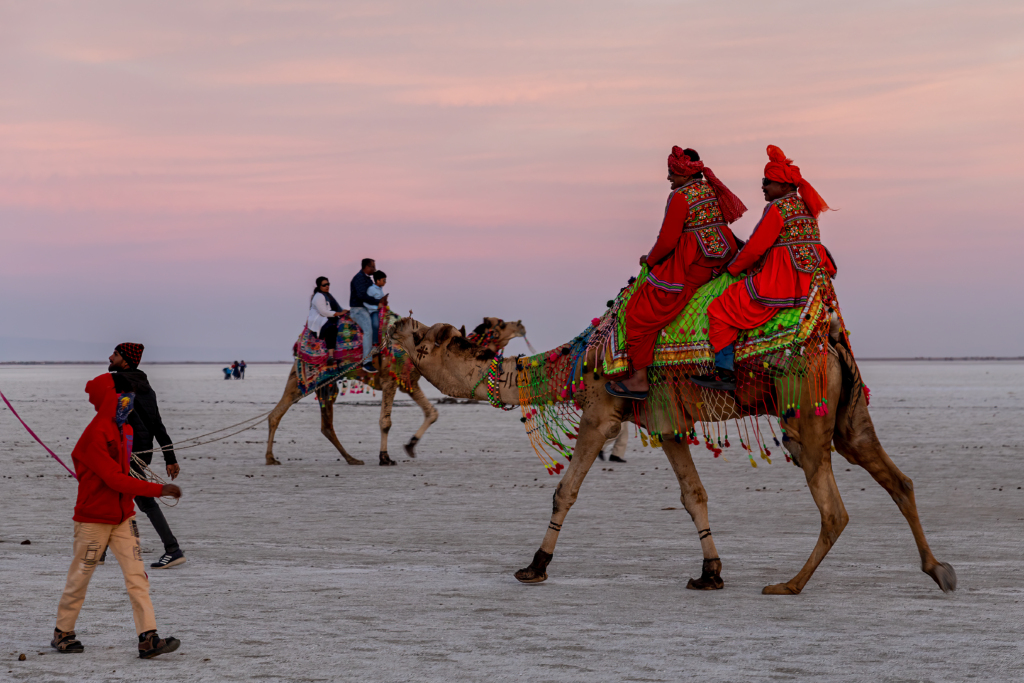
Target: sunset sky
180, 173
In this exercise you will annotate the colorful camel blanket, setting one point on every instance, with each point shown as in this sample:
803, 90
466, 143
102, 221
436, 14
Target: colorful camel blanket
311, 355
769, 348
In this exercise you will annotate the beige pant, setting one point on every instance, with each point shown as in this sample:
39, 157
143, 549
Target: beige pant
618, 444
90, 540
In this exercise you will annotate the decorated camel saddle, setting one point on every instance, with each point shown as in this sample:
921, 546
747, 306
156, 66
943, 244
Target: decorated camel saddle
312, 368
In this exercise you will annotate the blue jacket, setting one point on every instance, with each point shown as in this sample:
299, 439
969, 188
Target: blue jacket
358, 296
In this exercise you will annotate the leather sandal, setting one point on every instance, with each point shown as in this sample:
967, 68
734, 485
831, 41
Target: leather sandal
151, 645
65, 642
619, 390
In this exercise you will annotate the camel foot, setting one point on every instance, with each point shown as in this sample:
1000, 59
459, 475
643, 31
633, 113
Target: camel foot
944, 575
710, 577
273, 461
353, 461
537, 571
780, 589
386, 460
410, 448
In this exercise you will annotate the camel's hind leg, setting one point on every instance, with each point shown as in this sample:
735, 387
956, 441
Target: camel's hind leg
695, 500
291, 395
856, 441
387, 401
429, 417
327, 429
592, 436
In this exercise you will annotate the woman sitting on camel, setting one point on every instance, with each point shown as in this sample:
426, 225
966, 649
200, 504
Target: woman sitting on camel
324, 311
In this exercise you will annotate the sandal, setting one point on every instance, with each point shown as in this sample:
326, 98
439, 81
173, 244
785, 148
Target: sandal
619, 390
65, 642
151, 645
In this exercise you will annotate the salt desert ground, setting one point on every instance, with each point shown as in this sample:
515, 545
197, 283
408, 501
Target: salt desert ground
319, 571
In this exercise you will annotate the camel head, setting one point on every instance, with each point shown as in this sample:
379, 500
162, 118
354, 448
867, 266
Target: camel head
496, 333
441, 353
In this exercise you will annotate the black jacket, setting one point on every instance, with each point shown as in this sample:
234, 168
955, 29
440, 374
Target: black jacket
357, 291
145, 416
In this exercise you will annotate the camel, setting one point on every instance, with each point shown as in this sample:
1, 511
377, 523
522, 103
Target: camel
494, 333
456, 366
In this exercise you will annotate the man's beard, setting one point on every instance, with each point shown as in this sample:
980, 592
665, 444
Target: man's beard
112, 368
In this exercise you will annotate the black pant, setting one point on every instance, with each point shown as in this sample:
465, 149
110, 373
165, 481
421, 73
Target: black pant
152, 508
329, 333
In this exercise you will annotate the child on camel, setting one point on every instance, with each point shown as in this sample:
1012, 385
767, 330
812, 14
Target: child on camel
376, 290
780, 258
105, 515
694, 246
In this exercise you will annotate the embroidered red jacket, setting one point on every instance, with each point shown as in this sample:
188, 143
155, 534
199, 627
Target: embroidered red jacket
782, 254
106, 489
694, 242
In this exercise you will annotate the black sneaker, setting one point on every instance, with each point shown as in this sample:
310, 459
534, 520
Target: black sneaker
151, 645
600, 456
65, 642
169, 560
615, 458
368, 367
721, 380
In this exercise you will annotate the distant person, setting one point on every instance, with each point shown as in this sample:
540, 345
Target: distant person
376, 291
324, 311
147, 425
359, 297
105, 515
618, 446
241, 368
235, 372
227, 373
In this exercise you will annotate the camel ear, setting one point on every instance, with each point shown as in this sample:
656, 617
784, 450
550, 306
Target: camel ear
462, 330
443, 335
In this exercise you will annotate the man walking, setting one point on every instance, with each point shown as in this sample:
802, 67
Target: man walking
359, 296
147, 425
105, 515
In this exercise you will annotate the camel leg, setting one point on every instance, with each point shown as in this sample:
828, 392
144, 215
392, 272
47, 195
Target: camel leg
291, 395
816, 462
695, 500
591, 438
387, 401
327, 429
429, 418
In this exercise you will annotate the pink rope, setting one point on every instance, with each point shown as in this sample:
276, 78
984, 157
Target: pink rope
34, 435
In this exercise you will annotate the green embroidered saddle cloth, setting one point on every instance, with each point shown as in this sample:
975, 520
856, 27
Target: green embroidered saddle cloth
684, 342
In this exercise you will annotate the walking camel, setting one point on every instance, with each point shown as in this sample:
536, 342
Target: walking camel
456, 366
493, 333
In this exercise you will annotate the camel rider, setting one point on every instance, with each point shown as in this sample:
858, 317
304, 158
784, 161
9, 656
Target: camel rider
324, 311
694, 246
780, 258
359, 296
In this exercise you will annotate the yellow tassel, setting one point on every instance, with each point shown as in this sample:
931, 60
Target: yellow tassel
643, 438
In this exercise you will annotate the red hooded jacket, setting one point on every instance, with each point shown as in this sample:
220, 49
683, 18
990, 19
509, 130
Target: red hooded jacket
106, 489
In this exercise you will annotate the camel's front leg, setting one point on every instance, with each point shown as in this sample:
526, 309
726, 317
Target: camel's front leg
387, 400
592, 436
429, 417
816, 461
327, 429
291, 395
695, 500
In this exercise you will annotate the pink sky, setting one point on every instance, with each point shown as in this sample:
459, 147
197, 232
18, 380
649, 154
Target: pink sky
179, 173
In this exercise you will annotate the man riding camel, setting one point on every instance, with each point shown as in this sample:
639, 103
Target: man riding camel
780, 258
694, 246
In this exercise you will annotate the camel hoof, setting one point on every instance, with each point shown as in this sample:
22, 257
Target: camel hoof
385, 459
410, 450
273, 461
537, 571
945, 576
710, 576
779, 589
527, 575
354, 461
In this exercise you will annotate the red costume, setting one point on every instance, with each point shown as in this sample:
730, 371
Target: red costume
781, 256
693, 246
106, 488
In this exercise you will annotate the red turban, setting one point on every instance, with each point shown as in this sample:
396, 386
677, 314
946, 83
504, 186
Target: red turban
680, 164
132, 353
782, 170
